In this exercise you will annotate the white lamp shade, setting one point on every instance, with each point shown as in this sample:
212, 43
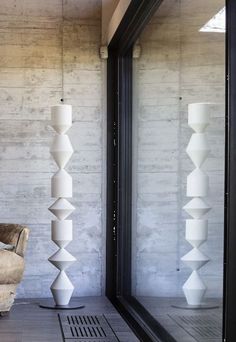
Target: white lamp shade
61, 208
195, 259
61, 150
198, 148
61, 117
196, 232
62, 259
194, 289
61, 188
196, 208
197, 183
198, 116
61, 184
62, 233
62, 289
197, 187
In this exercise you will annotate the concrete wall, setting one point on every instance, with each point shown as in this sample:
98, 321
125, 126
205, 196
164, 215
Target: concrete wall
178, 65
32, 34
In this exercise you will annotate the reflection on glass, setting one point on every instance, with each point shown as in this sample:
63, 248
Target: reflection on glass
216, 23
180, 63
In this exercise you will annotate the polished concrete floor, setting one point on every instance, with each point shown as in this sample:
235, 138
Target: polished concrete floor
27, 322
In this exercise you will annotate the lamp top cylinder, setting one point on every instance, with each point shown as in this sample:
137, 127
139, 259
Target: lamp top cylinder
61, 117
199, 109
61, 105
61, 111
199, 116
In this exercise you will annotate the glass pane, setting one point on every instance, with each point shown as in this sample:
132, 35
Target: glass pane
179, 60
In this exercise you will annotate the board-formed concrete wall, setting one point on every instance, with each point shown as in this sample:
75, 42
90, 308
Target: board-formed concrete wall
31, 56
178, 65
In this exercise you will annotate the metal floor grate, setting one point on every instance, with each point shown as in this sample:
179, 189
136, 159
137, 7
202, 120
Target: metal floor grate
201, 327
86, 328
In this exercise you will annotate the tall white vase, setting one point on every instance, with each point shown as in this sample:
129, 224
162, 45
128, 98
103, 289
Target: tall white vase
197, 187
61, 188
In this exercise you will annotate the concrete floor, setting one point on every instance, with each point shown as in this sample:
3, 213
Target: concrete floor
27, 322
186, 325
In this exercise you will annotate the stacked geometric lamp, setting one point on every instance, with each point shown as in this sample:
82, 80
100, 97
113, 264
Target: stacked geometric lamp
197, 187
61, 189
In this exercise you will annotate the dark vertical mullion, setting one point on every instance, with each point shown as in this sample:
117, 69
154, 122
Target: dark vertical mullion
128, 232
111, 218
226, 185
125, 173
119, 182
230, 202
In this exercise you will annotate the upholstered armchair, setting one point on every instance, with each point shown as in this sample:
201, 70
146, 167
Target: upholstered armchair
11, 262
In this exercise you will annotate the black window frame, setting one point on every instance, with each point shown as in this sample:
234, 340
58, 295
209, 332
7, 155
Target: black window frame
119, 174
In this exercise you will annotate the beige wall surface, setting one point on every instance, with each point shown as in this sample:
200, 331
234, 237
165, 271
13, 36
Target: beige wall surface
36, 47
108, 8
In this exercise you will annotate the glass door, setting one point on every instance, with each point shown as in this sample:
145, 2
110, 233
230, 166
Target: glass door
179, 104
171, 165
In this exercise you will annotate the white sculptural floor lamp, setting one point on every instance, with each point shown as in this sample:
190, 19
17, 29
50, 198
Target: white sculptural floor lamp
61, 229
197, 227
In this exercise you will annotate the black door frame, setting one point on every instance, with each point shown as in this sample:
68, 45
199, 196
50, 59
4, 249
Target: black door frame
230, 179
119, 174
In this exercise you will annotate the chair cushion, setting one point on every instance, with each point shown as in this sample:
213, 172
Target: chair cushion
11, 267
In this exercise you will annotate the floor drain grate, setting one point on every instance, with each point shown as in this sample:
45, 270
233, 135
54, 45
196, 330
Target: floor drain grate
89, 328
201, 327
207, 332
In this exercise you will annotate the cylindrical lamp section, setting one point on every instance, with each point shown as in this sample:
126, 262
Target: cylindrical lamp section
196, 231
61, 185
61, 117
62, 233
198, 116
197, 183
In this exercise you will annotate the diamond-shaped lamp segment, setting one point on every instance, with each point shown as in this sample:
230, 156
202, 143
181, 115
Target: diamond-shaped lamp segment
62, 281
61, 208
194, 289
198, 148
61, 150
198, 116
62, 289
62, 259
196, 208
195, 259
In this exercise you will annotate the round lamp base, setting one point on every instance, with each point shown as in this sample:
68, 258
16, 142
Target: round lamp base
203, 306
50, 304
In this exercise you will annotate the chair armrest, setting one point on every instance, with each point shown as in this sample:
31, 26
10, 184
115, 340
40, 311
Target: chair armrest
16, 235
